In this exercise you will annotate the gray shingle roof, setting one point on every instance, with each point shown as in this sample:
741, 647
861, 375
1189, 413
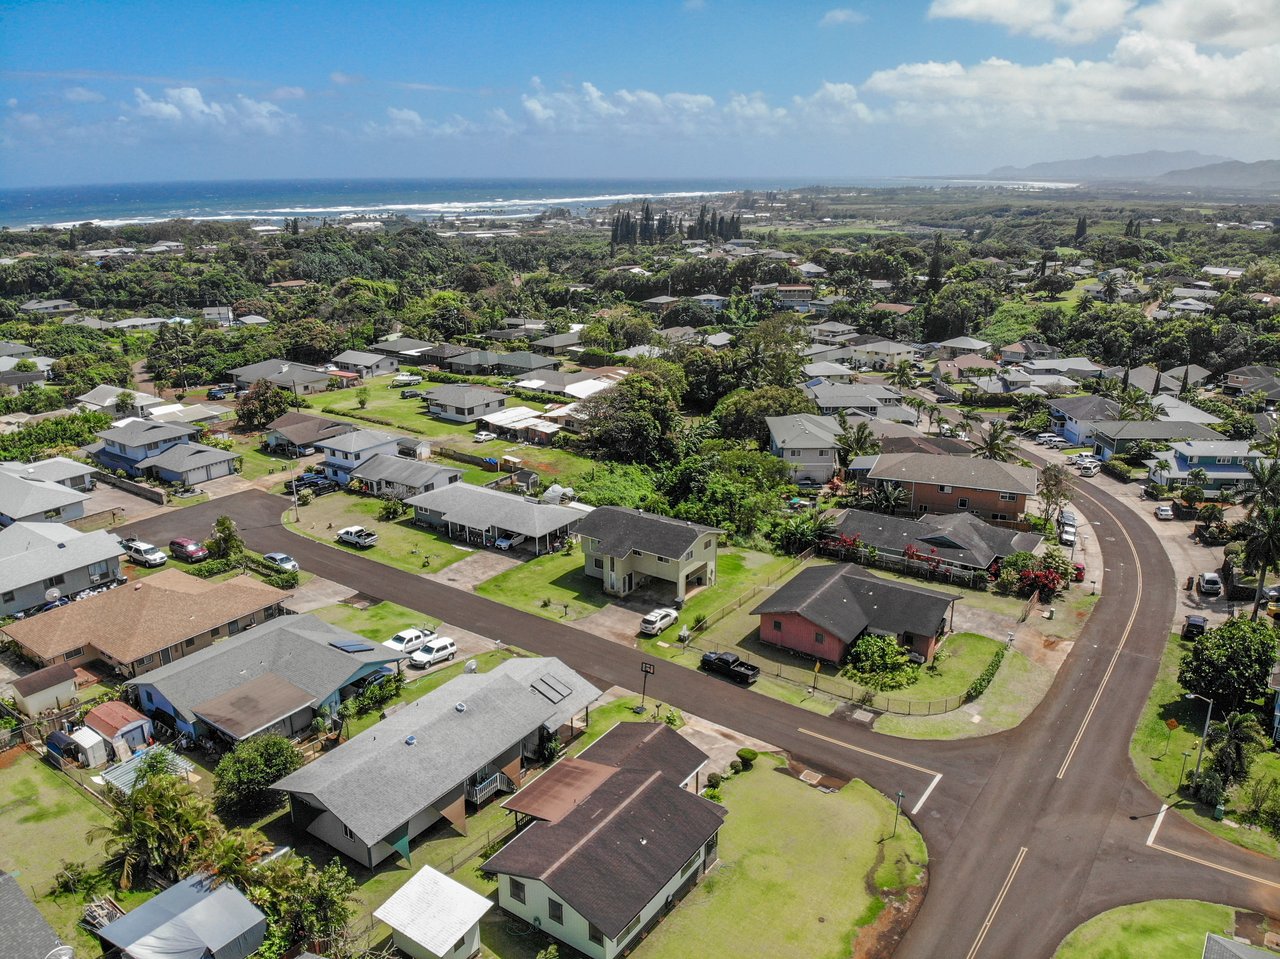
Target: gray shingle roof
501, 710
959, 538
24, 933
961, 471
357, 440
359, 358
383, 467
137, 432
33, 552
1219, 947
803, 431
1086, 408
186, 456
1154, 430
401, 346
23, 494
463, 395
280, 372
304, 429
293, 647
479, 508
620, 531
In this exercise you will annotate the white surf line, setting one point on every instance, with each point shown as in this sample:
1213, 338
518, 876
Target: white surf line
995, 906
1115, 657
1151, 841
937, 776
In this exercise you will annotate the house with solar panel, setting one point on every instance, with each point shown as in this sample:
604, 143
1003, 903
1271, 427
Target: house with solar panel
275, 678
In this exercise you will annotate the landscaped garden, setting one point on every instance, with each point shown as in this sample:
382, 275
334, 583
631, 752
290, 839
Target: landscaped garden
1168, 928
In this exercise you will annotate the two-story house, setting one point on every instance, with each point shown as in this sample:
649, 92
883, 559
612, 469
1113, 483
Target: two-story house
25, 497
626, 548
43, 562
1073, 417
807, 444
346, 451
1226, 462
365, 364
953, 484
1024, 350
463, 403
1118, 437
866, 399
163, 451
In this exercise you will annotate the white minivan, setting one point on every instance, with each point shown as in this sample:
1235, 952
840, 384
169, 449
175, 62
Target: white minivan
1044, 439
1090, 468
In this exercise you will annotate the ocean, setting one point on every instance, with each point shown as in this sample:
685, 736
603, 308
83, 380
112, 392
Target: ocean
275, 200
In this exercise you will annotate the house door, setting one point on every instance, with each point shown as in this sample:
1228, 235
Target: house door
166, 656
628, 582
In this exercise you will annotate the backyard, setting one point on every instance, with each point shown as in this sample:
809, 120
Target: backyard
1168, 928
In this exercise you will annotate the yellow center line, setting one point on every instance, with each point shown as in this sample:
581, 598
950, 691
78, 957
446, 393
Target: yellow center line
995, 906
1213, 865
869, 752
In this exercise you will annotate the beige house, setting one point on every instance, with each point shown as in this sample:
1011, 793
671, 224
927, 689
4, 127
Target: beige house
627, 548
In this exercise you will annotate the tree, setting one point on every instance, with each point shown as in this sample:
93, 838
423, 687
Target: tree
878, 661
263, 403
995, 443
1082, 230
855, 440
1262, 547
1231, 663
903, 376
232, 855
742, 413
225, 542
800, 531
1263, 488
244, 776
888, 498
1235, 741
26, 366
362, 396
631, 421
1055, 487
934, 281
125, 400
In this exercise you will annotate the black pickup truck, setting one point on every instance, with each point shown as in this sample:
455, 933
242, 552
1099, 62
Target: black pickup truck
730, 665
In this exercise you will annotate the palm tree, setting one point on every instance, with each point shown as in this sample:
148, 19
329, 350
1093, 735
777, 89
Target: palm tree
854, 441
232, 856
804, 530
995, 443
1262, 547
1111, 287
902, 376
1235, 741
888, 498
1264, 484
1135, 405
934, 412
917, 404
1210, 514
1198, 477
970, 420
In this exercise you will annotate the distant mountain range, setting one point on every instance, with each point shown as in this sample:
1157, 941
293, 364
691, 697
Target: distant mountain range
1131, 166
1231, 175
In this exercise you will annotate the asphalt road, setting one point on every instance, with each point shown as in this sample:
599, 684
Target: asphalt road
1030, 831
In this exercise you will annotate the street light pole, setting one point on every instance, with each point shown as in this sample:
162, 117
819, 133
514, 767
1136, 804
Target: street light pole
1178, 785
1205, 734
897, 810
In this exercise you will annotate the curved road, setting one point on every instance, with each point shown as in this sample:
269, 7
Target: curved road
1030, 831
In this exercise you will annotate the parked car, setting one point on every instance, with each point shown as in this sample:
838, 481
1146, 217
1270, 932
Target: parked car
1057, 443
357, 536
190, 550
1043, 438
1077, 572
1209, 584
1066, 518
143, 554
1164, 511
510, 540
484, 436
437, 649
282, 561
1076, 459
317, 483
1090, 468
410, 640
411, 394
731, 666
218, 393
1194, 626
658, 620
1067, 535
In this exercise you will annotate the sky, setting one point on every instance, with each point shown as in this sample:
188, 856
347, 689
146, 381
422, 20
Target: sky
120, 91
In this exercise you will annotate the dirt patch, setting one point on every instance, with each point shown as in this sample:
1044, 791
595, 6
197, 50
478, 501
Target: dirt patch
881, 936
1252, 926
11, 756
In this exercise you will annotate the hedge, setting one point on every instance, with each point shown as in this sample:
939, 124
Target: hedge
979, 685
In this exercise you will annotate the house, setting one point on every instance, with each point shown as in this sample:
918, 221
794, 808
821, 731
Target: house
952, 484
462, 402
1220, 947
440, 354
1169, 407
1073, 417
576, 386
474, 363
386, 475
961, 346
122, 726
881, 354
1186, 305
208, 415
153, 621
346, 451
434, 917
712, 301
523, 363
660, 304
557, 343
107, 399
365, 364
610, 858
295, 433
53, 687
808, 444
196, 918
874, 400
831, 332
13, 383
454, 747
822, 305
49, 307
16, 350
823, 610
275, 678
522, 424
405, 348
1117, 437
1225, 461
218, 315
626, 548
1243, 379
791, 296
959, 541
297, 378
1062, 366
1223, 272
25, 497
162, 451
963, 367
24, 932
829, 372
1024, 350
481, 516
38, 560
1144, 377
718, 341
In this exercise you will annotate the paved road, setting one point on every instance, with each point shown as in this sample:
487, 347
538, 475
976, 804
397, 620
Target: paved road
1030, 831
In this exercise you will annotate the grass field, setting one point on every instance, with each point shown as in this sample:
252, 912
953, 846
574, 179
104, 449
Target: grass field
400, 543
380, 621
1157, 753
1168, 928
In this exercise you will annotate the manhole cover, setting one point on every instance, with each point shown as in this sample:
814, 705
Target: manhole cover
862, 716
811, 777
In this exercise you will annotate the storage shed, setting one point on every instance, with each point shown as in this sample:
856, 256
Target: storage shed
434, 917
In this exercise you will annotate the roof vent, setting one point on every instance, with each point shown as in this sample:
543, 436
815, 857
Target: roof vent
461, 707
410, 740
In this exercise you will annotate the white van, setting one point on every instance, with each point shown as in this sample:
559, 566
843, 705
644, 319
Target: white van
1044, 439
1090, 468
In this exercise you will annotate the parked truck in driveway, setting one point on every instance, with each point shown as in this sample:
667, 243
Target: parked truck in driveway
731, 666
357, 536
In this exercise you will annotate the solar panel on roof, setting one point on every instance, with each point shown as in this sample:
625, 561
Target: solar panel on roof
351, 646
551, 689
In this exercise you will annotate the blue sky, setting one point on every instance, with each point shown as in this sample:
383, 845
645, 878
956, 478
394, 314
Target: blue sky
95, 92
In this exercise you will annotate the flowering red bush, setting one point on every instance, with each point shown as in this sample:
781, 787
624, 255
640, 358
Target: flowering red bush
1045, 580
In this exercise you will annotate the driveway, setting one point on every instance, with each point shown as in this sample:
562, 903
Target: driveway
131, 508
479, 567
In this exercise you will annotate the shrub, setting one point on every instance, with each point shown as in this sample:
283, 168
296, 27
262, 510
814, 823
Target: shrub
305, 497
713, 795
283, 580
979, 685
244, 776
747, 756
735, 766
216, 567
714, 780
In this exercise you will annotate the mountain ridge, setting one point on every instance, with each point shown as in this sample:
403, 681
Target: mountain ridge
1127, 166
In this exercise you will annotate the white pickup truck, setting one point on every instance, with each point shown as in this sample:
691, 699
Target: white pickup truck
357, 536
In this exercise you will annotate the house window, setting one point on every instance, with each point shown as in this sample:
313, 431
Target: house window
635, 552
145, 659
213, 633
233, 627
692, 861
944, 489
74, 653
777, 625
459, 944
146, 695
1008, 497
555, 911
794, 454
189, 643
58, 580
963, 502
823, 454
55, 513
595, 935
1223, 460
517, 889
819, 638
663, 559
8, 596
599, 563
999, 515
347, 833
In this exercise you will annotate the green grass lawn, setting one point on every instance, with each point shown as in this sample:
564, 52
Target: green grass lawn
378, 622
400, 543
256, 464
1168, 928
601, 719
1157, 754
966, 655
555, 576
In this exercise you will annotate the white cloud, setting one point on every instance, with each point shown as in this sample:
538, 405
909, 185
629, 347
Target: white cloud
187, 106
841, 17
1065, 21
83, 95
835, 105
345, 79
404, 123
287, 93
1229, 23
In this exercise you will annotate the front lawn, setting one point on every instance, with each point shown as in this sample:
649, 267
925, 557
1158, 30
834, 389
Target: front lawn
962, 659
557, 577
378, 622
1168, 928
400, 543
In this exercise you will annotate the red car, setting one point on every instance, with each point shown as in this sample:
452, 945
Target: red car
191, 550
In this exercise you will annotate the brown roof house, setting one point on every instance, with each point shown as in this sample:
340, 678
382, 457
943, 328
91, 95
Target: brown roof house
147, 623
293, 432
953, 484
615, 841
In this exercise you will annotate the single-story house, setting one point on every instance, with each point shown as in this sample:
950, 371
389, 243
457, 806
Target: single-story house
556, 343
1243, 378
107, 399
521, 423
1116, 437
1024, 350
874, 400
954, 484
474, 363
149, 623
275, 678
522, 363
1144, 377
52, 687
1169, 407
457, 745
24, 932
434, 917
383, 474
829, 372
38, 560
441, 353
49, 307
958, 541
16, 350
365, 364
462, 402
577, 386
1225, 461
627, 548
197, 918
293, 432
345, 452
823, 610
25, 497
121, 726
405, 348
963, 367
1073, 417
296, 377
1079, 366
961, 346
481, 516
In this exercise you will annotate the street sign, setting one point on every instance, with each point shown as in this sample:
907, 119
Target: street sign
647, 668
1172, 724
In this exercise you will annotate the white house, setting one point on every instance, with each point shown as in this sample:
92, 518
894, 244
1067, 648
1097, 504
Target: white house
434, 917
347, 451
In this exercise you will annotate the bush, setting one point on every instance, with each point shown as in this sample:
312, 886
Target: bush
216, 567
244, 776
747, 757
283, 581
735, 766
714, 780
713, 795
979, 685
